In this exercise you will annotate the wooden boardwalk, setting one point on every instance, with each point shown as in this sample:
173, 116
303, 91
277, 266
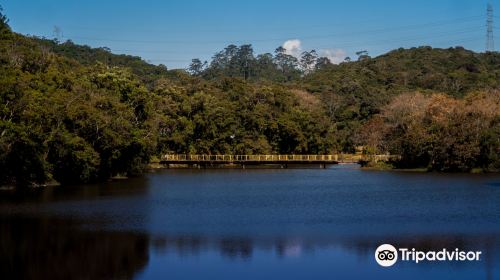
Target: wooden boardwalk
282, 160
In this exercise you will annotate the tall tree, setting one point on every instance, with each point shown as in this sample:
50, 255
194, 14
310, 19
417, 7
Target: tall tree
322, 63
245, 59
288, 64
4, 25
196, 67
308, 60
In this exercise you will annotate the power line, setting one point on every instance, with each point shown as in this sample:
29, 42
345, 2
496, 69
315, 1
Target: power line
476, 38
346, 44
449, 42
153, 51
359, 44
405, 39
237, 28
381, 30
430, 24
219, 30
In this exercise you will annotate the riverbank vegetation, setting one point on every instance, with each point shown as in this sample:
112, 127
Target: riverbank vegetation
73, 114
437, 131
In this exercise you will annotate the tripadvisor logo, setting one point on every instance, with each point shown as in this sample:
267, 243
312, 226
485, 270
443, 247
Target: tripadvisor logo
387, 255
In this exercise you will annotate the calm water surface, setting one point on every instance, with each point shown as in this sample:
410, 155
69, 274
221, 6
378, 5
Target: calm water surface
252, 224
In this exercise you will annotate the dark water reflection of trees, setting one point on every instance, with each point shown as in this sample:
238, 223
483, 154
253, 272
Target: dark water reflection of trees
60, 249
115, 230
54, 249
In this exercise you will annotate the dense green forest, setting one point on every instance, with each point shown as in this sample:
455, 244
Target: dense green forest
73, 113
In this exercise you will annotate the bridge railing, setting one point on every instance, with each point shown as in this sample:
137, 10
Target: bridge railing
264, 158
182, 157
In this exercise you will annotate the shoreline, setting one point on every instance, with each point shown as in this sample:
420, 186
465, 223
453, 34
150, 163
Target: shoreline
154, 166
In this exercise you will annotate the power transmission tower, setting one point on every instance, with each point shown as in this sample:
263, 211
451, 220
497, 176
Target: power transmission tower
490, 44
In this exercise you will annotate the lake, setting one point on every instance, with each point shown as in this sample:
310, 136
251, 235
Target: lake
252, 224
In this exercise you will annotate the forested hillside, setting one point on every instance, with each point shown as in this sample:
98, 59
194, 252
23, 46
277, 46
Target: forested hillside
73, 114
89, 56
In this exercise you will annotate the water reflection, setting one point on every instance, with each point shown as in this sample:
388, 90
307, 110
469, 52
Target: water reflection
253, 224
120, 188
56, 249
330, 251
243, 247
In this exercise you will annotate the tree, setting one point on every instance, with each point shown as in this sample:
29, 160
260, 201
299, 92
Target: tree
490, 146
4, 25
362, 55
77, 114
308, 61
265, 67
437, 132
322, 63
196, 67
245, 60
21, 157
288, 64
233, 61
73, 159
4, 21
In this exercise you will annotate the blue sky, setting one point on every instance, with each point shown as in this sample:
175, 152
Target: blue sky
173, 32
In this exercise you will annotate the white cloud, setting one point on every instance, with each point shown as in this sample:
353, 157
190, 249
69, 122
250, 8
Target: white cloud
335, 56
293, 47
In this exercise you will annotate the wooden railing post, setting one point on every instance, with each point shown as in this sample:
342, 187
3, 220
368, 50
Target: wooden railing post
275, 158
